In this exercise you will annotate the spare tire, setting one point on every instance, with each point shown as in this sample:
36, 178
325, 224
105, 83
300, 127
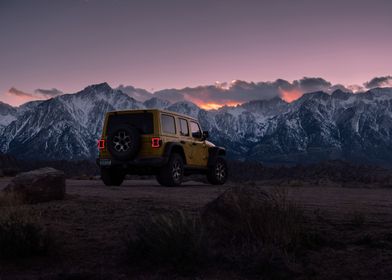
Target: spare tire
123, 142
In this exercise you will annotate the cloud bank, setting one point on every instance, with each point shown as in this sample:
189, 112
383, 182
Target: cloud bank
238, 91
19, 93
16, 97
48, 92
221, 93
385, 81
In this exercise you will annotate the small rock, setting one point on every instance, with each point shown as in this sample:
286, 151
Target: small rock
40, 185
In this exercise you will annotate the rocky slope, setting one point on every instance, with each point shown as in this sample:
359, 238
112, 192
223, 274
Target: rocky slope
317, 126
7, 114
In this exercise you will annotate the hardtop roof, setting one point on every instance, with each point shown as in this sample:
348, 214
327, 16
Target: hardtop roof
152, 110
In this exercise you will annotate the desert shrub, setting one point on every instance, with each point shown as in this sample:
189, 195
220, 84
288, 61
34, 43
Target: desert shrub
279, 222
256, 231
173, 239
255, 218
21, 234
253, 232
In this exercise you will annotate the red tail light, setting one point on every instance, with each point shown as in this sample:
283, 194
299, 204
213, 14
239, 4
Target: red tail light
101, 144
156, 142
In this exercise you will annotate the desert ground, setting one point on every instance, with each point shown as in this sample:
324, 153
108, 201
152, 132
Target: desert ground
92, 224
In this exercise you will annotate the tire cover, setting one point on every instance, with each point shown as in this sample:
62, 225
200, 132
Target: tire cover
123, 142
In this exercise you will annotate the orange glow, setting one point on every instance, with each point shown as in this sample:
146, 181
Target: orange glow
209, 106
290, 95
214, 106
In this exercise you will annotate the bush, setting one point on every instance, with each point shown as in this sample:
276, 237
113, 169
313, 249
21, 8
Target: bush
21, 235
246, 229
256, 231
248, 216
171, 239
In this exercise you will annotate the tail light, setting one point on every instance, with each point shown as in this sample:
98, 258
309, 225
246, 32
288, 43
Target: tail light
101, 144
156, 142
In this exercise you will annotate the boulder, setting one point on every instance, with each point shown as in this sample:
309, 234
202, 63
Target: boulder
229, 211
40, 185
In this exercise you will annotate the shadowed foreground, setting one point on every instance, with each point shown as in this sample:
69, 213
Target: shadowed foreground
92, 225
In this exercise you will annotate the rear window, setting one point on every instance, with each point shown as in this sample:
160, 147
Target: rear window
142, 121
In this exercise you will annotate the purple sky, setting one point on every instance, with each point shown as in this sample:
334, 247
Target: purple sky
156, 44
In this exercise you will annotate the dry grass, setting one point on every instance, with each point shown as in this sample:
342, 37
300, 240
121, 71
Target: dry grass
259, 240
268, 218
261, 235
173, 239
21, 234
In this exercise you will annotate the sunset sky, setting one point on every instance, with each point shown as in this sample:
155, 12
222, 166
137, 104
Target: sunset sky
67, 45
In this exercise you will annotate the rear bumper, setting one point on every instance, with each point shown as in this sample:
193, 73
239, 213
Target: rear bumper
138, 162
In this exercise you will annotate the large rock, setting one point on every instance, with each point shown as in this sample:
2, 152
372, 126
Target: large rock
229, 211
40, 185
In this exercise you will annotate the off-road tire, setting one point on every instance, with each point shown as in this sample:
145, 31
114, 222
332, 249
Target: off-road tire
123, 142
218, 172
112, 177
172, 173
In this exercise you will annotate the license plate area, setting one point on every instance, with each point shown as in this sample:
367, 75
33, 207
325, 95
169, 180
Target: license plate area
105, 162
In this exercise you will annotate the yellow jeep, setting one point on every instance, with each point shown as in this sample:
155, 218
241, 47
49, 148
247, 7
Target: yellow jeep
157, 142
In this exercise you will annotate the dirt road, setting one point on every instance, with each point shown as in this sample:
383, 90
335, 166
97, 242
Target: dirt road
92, 223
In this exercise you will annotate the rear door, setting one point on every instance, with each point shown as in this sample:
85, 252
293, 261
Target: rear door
186, 139
200, 149
168, 128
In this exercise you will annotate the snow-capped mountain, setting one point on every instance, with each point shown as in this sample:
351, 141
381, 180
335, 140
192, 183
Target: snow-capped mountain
7, 114
28, 106
64, 127
136, 93
315, 127
156, 103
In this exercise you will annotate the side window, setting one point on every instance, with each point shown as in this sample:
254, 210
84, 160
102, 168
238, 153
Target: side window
168, 124
195, 129
184, 130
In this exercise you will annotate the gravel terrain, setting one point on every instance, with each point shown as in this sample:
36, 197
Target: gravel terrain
93, 222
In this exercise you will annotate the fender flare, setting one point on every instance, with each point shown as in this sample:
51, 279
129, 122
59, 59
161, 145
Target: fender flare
170, 146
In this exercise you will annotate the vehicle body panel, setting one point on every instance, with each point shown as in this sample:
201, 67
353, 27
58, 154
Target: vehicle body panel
195, 150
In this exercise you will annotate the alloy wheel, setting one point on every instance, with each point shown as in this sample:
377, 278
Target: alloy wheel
122, 141
176, 170
220, 171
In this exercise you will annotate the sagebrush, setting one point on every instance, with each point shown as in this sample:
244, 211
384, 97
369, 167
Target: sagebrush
21, 233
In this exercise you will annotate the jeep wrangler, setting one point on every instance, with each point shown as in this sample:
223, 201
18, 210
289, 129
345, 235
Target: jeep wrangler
156, 142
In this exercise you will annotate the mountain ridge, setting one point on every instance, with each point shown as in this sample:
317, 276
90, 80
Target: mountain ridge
317, 126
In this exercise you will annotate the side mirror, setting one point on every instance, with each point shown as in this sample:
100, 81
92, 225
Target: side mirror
205, 135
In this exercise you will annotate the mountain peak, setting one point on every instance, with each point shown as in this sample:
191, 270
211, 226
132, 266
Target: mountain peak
315, 95
99, 87
340, 94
